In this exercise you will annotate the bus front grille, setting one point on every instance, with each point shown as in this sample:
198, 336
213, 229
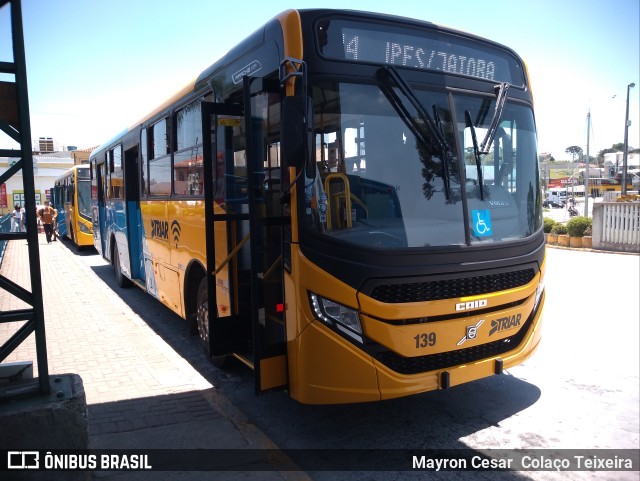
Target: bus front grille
444, 360
433, 290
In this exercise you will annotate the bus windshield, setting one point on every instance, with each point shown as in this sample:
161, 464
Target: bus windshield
392, 173
84, 198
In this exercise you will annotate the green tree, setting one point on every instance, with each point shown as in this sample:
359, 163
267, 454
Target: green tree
573, 151
618, 147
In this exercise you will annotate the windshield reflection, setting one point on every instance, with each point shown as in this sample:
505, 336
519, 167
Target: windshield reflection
382, 178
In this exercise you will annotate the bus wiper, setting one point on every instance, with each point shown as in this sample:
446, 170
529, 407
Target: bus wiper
497, 116
476, 151
389, 73
446, 152
483, 149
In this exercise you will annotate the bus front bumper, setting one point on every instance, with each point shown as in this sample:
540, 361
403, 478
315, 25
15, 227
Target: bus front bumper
331, 370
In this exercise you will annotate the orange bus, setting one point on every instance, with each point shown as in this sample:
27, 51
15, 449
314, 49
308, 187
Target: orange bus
72, 200
349, 203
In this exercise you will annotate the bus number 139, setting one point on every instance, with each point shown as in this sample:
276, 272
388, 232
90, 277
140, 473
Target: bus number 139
426, 339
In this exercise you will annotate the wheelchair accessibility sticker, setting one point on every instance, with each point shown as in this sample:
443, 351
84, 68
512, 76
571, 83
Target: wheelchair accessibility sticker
481, 222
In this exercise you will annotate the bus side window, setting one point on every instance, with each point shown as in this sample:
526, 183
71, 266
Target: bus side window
71, 190
159, 161
106, 178
188, 174
116, 187
117, 158
143, 165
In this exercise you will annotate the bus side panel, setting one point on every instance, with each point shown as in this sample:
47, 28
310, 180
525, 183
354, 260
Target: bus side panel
104, 228
62, 221
186, 240
162, 279
347, 374
323, 367
118, 229
186, 232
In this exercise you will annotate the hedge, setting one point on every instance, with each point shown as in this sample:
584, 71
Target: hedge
559, 229
548, 224
577, 225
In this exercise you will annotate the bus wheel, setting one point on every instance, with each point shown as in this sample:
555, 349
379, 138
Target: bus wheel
202, 320
121, 279
71, 236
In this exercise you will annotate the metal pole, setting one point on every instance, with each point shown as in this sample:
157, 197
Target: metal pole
587, 170
626, 143
30, 197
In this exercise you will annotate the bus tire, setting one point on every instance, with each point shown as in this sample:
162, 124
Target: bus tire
121, 279
71, 236
202, 321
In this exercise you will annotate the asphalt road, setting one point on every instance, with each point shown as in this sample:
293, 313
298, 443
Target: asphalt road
579, 391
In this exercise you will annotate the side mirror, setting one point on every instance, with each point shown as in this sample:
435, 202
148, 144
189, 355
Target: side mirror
294, 131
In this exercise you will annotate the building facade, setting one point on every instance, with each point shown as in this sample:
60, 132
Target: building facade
46, 169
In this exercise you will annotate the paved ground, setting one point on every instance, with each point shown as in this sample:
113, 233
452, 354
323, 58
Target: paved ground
140, 393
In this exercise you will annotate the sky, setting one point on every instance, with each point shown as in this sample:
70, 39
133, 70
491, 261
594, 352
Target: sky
96, 67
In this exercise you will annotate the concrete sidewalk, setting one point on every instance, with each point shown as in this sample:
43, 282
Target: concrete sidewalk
140, 393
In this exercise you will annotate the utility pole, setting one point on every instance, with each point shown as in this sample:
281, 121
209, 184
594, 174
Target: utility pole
587, 169
626, 143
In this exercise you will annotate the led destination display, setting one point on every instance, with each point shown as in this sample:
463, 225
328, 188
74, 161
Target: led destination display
432, 50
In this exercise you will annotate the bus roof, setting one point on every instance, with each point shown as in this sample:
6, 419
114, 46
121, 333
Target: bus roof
70, 170
253, 39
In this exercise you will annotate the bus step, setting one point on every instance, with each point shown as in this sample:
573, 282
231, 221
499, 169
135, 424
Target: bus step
246, 360
140, 283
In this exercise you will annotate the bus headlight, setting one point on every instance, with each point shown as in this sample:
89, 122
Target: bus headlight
84, 228
342, 318
539, 292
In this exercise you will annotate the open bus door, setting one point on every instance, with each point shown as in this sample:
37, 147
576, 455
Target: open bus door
132, 172
244, 220
99, 217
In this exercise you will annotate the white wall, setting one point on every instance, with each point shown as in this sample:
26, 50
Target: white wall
46, 170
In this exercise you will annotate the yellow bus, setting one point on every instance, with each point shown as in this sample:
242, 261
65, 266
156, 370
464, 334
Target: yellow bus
349, 203
72, 200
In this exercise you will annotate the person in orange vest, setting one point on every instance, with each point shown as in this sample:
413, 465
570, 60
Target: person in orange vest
48, 216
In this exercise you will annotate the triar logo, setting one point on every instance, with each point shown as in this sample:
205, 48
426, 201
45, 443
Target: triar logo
505, 323
159, 229
176, 230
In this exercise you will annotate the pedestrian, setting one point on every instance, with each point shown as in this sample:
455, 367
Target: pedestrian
47, 216
23, 220
15, 219
54, 227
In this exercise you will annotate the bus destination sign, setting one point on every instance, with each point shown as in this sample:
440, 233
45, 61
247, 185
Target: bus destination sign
429, 50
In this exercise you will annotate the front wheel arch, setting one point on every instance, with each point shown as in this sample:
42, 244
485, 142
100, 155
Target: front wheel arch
203, 325
194, 274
